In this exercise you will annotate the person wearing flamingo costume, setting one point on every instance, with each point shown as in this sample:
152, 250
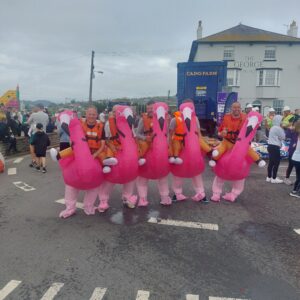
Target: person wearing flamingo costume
80, 171
229, 131
157, 165
191, 158
234, 165
126, 171
94, 134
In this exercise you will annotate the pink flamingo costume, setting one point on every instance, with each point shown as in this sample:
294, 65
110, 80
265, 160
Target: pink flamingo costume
235, 164
81, 171
157, 163
193, 162
126, 171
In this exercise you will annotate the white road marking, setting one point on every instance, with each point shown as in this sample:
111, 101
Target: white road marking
9, 288
184, 224
297, 231
98, 293
11, 171
52, 291
222, 298
18, 160
192, 297
23, 186
62, 201
142, 295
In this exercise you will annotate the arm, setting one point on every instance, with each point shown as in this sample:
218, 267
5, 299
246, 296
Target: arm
100, 149
172, 127
30, 120
140, 130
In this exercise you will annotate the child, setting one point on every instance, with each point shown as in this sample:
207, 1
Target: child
40, 142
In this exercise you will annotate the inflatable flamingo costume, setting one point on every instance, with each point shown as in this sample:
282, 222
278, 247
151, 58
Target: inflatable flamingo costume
80, 171
191, 155
157, 164
235, 164
126, 171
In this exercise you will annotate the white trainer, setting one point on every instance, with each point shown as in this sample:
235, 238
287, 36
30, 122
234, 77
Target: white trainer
212, 163
111, 161
142, 161
215, 153
106, 170
287, 181
172, 160
276, 180
178, 161
268, 179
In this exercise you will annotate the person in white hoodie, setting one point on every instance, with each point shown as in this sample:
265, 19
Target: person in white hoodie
276, 136
296, 162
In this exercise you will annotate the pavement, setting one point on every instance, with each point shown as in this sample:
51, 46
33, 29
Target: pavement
193, 251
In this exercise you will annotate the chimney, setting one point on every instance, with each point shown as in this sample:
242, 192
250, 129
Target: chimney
293, 30
199, 31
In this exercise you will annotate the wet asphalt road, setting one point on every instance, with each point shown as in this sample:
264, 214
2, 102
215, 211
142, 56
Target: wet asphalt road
254, 255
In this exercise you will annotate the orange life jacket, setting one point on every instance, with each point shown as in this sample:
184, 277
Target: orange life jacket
113, 130
148, 125
179, 129
233, 126
93, 135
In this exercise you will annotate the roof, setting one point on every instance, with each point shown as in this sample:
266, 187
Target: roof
243, 33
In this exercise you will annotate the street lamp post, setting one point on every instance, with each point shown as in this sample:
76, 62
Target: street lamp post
92, 76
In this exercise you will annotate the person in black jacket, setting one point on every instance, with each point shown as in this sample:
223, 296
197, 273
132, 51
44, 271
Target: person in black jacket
7, 137
40, 141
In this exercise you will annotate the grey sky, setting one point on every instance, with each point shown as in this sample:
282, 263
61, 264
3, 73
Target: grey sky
46, 44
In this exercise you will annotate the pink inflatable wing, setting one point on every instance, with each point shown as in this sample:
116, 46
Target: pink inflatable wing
127, 168
235, 164
193, 162
81, 171
157, 162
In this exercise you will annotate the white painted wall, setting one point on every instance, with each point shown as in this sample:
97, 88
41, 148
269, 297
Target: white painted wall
249, 58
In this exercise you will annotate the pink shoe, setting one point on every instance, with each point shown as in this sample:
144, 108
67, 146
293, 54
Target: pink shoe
103, 206
198, 197
130, 202
165, 200
143, 202
229, 197
180, 197
215, 198
90, 210
67, 213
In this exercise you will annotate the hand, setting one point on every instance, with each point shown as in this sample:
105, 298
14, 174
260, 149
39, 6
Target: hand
149, 138
95, 155
224, 132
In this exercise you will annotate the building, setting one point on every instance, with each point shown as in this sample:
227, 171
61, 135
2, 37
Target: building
263, 66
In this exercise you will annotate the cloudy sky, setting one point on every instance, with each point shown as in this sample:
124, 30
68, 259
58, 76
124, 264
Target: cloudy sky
45, 45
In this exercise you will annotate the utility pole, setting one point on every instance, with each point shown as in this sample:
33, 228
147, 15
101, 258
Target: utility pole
91, 77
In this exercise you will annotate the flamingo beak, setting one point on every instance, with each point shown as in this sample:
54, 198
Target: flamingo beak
187, 116
129, 116
161, 115
252, 123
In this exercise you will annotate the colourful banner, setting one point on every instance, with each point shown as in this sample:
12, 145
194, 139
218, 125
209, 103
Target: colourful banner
224, 101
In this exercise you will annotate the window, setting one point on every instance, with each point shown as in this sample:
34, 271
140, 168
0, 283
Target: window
270, 53
233, 77
228, 53
278, 106
268, 77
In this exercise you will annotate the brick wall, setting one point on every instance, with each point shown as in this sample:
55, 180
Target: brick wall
23, 144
